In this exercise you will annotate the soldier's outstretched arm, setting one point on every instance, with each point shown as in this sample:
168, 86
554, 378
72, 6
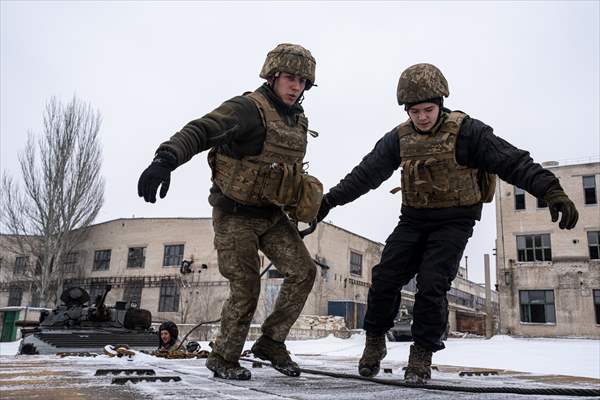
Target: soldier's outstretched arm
226, 124
372, 171
478, 147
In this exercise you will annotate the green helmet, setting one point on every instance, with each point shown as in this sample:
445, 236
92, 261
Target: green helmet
290, 58
421, 82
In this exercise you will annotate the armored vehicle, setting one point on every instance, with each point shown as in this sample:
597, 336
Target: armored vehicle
78, 325
401, 331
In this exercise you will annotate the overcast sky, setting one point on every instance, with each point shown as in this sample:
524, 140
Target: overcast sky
528, 69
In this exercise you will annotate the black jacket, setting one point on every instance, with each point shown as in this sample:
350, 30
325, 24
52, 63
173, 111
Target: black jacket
476, 147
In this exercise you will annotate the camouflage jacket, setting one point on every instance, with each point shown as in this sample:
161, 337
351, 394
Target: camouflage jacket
476, 147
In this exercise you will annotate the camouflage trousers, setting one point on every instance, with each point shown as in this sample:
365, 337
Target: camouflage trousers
237, 240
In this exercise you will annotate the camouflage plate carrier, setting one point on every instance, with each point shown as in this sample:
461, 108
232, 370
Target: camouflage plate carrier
431, 177
275, 176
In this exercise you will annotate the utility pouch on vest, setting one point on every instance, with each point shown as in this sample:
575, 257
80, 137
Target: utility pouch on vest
487, 185
309, 198
281, 185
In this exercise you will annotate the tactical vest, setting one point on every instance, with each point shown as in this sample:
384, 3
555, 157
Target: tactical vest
275, 175
431, 177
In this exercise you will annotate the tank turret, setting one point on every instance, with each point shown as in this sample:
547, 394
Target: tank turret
78, 325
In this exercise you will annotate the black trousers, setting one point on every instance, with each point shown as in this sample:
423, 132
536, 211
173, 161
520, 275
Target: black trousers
431, 250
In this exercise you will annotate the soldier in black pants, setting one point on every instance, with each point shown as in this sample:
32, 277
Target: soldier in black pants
449, 162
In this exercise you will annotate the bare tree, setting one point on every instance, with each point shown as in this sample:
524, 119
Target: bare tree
62, 192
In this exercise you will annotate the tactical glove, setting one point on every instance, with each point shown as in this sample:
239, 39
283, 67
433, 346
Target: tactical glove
158, 173
558, 201
324, 209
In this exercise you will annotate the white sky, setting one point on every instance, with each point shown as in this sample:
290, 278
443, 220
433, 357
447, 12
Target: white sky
528, 69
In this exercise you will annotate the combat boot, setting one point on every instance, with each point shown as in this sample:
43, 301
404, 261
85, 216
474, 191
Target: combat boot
226, 369
374, 352
271, 350
418, 369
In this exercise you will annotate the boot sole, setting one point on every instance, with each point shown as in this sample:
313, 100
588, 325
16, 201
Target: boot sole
368, 372
231, 378
284, 371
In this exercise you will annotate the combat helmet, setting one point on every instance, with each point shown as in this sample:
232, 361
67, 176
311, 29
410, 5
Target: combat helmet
421, 82
290, 58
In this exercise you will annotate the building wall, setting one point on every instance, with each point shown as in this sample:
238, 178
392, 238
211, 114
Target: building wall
571, 275
203, 291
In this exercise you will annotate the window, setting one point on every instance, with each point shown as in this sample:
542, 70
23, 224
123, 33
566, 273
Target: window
594, 244
534, 248
96, 289
173, 255
169, 296
35, 297
274, 273
541, 203
15, 296
133, 293
411, 286
519, 199
39, 264
597, 304
21, 264
136, 257
460, 297
69, 261
101, 260
537, 306
355, 263
589, 189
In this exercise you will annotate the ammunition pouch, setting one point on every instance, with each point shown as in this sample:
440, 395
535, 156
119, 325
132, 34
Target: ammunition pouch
261, 184
310, 193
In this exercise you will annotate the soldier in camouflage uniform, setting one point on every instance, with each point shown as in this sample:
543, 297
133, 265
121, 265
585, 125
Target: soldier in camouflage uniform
258, 142
448, 163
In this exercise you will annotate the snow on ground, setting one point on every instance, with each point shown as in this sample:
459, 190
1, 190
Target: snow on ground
9, 348
575, 357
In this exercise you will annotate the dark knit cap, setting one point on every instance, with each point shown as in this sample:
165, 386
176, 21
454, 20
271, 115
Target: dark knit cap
436, 100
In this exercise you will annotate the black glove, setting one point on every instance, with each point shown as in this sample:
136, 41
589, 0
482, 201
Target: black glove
158, 173
558, 201
324, 209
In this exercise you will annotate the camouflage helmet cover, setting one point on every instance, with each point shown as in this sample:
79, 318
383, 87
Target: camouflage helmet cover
421, 82
290, 58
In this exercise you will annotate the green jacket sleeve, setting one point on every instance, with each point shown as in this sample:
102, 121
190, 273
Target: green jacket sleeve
233, 122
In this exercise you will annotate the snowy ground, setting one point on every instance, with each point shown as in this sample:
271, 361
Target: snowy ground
51, 377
